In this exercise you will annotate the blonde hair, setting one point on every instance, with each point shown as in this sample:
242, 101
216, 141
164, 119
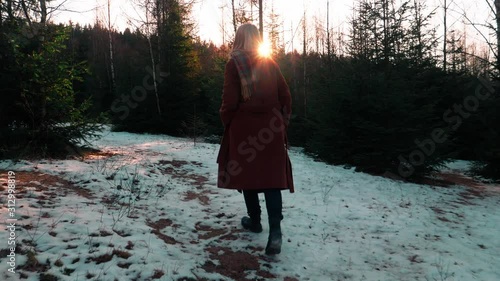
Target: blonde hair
247, 38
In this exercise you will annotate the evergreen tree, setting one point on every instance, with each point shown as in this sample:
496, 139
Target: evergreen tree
48, 121
382, 107
179, 67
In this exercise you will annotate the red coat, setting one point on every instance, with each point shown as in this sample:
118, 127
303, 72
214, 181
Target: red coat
253, 153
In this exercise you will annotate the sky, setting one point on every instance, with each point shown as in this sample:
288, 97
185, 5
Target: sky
208, 15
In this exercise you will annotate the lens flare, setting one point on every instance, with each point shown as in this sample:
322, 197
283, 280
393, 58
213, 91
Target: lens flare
265, 49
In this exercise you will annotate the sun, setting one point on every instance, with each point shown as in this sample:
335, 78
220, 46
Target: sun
265, 49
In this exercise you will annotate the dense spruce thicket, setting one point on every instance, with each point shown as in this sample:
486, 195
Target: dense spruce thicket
379, 100
40, 112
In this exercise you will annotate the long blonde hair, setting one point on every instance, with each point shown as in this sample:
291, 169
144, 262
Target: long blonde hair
247, 38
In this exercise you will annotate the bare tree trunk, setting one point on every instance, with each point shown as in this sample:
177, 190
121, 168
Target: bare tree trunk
159, 28
497, 17
328, 43
234, 16
294, 63
1, 13
8, 8
10, 14
329, 46
194, 125
43, 12
26, 13
251, 10
153, 64
304, 54
223, 27
385, 10
418, 26
261, 20
445, 36
465, 51
40, 31
111, 53
376, 38
151, 53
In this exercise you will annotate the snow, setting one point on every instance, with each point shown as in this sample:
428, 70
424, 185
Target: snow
458, 166
154, 197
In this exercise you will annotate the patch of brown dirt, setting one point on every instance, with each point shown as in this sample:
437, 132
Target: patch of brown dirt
174, 163
167, 239
232, 264
229, 237
208, 232
124, 265
23, 180
97, 154
476, 190
122, 254
102, 258
158, 226
201, 196
458, 179
197, 180
175, 169
157, 274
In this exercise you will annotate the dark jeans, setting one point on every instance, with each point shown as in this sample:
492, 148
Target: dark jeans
274, 204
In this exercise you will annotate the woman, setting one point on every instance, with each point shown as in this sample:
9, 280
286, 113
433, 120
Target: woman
255, 111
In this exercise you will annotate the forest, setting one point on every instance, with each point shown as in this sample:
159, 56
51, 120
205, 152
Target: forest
389, 96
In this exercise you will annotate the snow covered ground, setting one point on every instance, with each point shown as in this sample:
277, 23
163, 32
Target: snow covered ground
146, 208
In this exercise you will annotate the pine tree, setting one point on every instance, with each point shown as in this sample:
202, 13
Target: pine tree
178, 65
45, 118
383, 98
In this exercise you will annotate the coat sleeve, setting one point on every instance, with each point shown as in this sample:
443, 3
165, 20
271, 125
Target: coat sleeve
230, 93
284, 96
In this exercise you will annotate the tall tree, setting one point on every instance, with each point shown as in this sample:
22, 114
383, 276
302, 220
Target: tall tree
47, 118
497, 32
273, 27
235, 22
261, 19
445, 35
174, 75
328, 38
421, 41
111, 50
304, 58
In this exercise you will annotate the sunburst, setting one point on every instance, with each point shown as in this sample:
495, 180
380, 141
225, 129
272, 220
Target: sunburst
265, 49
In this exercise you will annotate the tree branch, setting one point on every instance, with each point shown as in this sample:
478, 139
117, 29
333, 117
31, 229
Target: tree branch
26, 14
490, 45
